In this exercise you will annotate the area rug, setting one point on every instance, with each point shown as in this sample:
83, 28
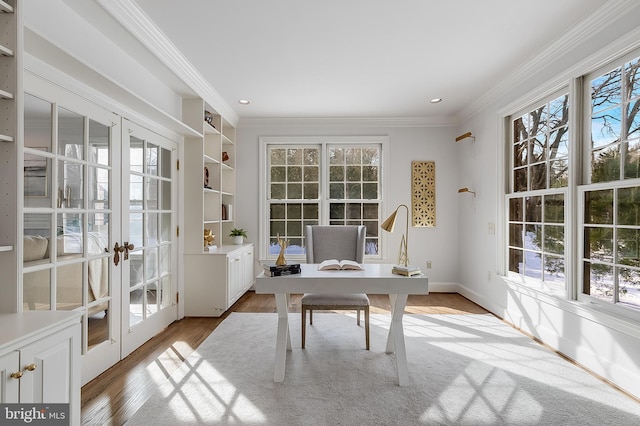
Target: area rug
464, 370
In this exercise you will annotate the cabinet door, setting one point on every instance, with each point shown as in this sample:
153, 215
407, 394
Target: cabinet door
49, 375
9, 386
235, 276
247, 268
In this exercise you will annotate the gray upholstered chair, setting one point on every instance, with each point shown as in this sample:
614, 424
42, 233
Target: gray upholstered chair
335, 242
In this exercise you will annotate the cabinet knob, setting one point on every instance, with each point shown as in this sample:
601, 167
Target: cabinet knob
31, 367
17, 375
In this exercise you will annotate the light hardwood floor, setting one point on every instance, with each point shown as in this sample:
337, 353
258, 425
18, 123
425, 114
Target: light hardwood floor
114, 396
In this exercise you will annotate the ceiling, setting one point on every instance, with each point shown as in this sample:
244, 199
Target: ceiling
360, 58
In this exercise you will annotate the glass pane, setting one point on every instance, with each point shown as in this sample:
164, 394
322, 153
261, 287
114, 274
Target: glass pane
278, 156
135, 229
165, 195
520, 179
165, 260
336, 155
632, 77
538, 120
559, 173
277, 228
136, 271
37, 123
606, 127
354, 211
336, 211
152, 188
98, 235
538, 176
294, 211
520, 154
605, 165
165, 296
311, 173
98, 188
599, 206
559, 143
151, 233
277, 211
136, 192
606, 91
632, 159
532, 265
294, 156
516, 263
336, 173
559, 112
353, 155
628, 247
311, 191
629, 206
336, 191
294, 174
519, 130
554, 269
538, 148
152, 299
71, 185
36, 290
598, 244
533, 237
371, 246
370, 211
70, 134
629, 285
151, 263
151, 159
600, 280
165, 227
515, 235
37, 180
311, 156
98, 328
294, 228
68, 286
371, 156
278, 174
533, 209
165, 163
135, 306
136, 154
554, 208
294, 191
99, 143
70, 233
354, 191
370, 173
516, 210
354, 173
278, 191
554, 239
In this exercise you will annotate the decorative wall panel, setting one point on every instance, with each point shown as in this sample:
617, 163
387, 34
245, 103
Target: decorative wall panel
423, 193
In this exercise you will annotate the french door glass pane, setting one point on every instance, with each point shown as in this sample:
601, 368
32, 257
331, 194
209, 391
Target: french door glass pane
70, 134
99, 143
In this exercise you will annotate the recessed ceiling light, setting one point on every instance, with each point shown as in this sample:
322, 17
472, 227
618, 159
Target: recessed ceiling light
244, 101
436, 100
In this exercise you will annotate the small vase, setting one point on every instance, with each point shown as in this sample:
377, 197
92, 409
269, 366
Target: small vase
239, 239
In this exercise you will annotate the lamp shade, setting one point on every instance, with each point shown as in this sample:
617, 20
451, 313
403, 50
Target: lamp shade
390, 222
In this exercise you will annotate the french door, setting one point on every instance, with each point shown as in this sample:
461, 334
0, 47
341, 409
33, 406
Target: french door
148, 247
99, 221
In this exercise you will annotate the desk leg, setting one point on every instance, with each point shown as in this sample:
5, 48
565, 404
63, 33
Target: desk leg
283, 339
395, 340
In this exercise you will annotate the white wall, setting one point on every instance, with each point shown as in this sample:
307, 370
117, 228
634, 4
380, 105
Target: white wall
438, 244
606, 345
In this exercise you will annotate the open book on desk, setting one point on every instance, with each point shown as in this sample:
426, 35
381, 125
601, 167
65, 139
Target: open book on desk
334, 264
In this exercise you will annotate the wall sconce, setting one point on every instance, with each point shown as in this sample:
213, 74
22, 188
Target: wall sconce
466, 135
465, 189
403, 267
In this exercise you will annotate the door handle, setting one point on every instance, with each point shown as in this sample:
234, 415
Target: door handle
117, 249
126, 247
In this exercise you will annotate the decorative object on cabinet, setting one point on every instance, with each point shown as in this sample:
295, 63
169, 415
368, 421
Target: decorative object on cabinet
208, 118
465, 189
423, 193
224, 212
225, 156
208, 238
280, 261
402, 267
206, 178
238, 235
466, 135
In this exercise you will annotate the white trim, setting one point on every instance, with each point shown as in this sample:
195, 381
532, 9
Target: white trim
134, 20
276, 122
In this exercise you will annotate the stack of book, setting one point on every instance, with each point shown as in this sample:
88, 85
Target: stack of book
407, 271
272, 270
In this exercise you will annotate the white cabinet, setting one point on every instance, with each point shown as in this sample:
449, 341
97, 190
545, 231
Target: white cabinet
40, 359
214, 281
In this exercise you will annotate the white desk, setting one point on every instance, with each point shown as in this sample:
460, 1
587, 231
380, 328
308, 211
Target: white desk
375, 279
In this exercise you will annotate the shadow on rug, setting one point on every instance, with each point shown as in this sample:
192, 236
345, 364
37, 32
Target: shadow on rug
464, 370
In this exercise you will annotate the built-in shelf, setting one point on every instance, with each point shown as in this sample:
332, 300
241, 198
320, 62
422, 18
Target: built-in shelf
5, 138
5, 51
6, 248
5, 94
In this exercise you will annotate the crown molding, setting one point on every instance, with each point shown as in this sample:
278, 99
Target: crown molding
600, 18
134, 20
370, 122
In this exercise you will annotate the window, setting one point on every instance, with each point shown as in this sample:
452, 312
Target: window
606, 217
611, 202
539, 177
321, 181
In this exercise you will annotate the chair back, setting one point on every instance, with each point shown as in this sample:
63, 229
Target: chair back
335, 242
